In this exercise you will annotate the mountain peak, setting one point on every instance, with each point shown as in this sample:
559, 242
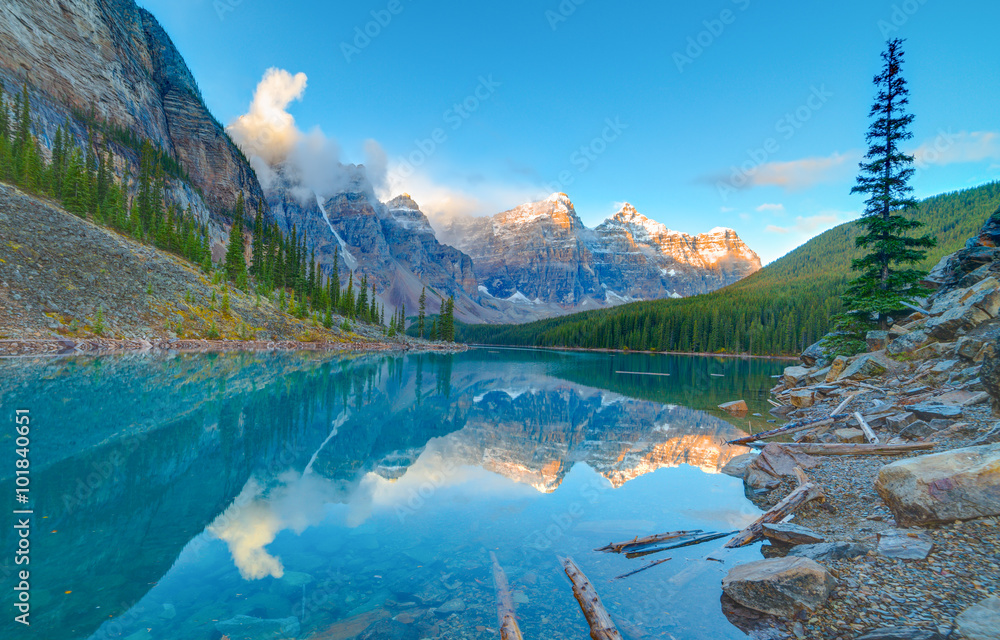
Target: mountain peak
403, 201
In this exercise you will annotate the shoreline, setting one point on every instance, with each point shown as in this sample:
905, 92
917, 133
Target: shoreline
738, 356
12, 348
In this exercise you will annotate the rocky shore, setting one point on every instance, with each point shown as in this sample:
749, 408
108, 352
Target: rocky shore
905, 546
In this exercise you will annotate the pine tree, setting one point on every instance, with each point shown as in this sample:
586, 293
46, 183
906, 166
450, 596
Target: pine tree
422, 312
449, 335
235, 264
887, 279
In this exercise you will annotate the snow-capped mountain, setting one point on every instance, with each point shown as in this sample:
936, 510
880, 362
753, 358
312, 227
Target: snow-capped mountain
541, 254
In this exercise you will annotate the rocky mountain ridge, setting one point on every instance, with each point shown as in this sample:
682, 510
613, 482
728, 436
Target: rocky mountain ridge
542, 254
97, 62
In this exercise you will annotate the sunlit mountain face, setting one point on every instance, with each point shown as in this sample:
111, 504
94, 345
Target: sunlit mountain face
254, 470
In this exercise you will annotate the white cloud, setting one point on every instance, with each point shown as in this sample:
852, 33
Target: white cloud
310, 162
812, 225
771, 208
267, 130
804, 173
955, 148
443, 203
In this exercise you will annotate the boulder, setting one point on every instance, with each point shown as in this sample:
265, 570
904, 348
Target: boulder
908, 343
944, 367
737, 467
836, 368
736, 408
928, 411
774, 463
251, 628
954, 485
917, 430
901, 633
899, 421
955, 322
795, 376
981, 621
989, 375
791, 533
863, 368
815, 355
779, 586
802, 398
987, 300
854, 436
877, 340
825, 551
904, 545
818, 376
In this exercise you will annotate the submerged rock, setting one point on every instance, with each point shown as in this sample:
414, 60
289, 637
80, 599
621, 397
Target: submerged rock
901, 633
737, 407
779, 586
250, 628
954, 485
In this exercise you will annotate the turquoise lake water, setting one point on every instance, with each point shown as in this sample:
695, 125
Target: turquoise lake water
333, 497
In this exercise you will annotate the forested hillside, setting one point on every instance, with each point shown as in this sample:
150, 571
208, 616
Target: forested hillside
778, 311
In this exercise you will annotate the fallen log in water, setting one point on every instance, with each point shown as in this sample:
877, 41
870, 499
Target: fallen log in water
845, 449
698, 540
788, 428
637, 543
805, 492
505, 604
641, 569
602, 627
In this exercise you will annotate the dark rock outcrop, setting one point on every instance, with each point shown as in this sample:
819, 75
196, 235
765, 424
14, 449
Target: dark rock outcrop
114, 58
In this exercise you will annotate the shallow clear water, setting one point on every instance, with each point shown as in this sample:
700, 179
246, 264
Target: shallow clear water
345, 493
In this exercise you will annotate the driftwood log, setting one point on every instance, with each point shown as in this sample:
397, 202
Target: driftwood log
869, 434
845, 449
505, 604
641, 569
638, 543
788, 428
602, 627
708, 537
805, 492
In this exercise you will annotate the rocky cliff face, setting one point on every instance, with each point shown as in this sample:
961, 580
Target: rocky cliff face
392, 243
112, 57
542, 254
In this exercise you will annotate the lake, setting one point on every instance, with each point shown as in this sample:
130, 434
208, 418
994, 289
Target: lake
344, 493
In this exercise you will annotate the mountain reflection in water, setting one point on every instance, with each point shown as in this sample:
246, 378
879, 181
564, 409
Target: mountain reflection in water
175, 493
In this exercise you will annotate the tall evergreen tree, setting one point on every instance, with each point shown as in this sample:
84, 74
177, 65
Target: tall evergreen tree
422, 312
887, 278
236, 266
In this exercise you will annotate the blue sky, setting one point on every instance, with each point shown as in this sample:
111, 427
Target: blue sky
658, 104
